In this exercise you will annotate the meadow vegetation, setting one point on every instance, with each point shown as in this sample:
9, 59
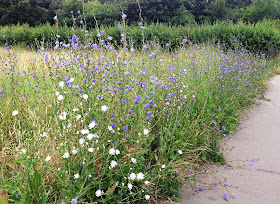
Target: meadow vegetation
91, 120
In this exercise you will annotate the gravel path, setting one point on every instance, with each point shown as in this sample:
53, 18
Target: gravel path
253, 155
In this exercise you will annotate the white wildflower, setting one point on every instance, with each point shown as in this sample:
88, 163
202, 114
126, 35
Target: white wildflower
133, 160
92, 125
81, 141
140, 176
86, 131
117, 152
71, 79
98, 193
57, 93
62, 116
146, 131
113, 164
74, 151
110, 128
76, 176
23, 151
90, 149
112, 151
61, 84
15, 113
90, 136
180, 152
44, 134
147, 197
75, 109
78, 117
85, 96
163, 166
146, 182
129, 185
60, 98
48, 158
66, 155
104, 108
132, 176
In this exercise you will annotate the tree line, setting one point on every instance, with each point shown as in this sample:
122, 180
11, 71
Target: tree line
109, 12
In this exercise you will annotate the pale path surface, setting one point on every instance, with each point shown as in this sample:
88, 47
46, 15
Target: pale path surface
252, 182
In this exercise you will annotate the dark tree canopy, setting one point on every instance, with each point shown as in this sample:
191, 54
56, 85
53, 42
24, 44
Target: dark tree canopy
35, 12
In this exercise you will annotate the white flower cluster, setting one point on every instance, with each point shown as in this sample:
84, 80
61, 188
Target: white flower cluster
113, 151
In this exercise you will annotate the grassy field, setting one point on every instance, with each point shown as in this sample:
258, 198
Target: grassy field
90, 123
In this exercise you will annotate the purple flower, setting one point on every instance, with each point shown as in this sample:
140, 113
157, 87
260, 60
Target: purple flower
124, 16
131, 111
125, 128
120, 27
225, 196
124, 102
251, 162
74, 38
149, 112
112, 116
113, 125
145, 46
75, 200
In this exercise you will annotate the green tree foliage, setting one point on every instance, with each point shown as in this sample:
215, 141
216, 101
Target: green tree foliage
32, 12
66, 9
105, 14
218, 10
108, 12
261, 9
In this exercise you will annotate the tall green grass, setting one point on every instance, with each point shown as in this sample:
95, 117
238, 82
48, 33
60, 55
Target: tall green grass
166, 112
